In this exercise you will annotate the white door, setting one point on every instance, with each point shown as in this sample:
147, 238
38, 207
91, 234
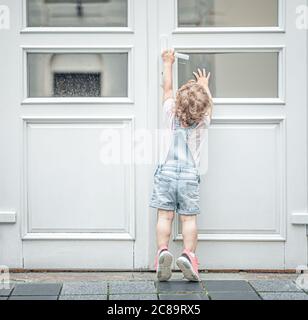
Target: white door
256, 182
78, 79
73, 92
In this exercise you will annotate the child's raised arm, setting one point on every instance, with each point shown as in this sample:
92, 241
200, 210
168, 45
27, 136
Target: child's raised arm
203, 79
168, 60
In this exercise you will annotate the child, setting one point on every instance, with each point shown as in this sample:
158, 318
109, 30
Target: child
177, 179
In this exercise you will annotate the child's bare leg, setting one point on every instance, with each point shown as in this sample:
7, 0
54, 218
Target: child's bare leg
164, 227
189, 231
188, 262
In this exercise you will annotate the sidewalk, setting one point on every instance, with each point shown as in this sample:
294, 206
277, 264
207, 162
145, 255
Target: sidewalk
143, 286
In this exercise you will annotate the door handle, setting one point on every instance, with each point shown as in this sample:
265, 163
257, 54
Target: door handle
164, 45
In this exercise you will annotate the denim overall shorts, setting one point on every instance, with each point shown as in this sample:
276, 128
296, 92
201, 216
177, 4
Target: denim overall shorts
177, 180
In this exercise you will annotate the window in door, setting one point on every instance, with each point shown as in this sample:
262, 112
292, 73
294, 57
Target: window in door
77, 13
235, 74
227, 13
77, 74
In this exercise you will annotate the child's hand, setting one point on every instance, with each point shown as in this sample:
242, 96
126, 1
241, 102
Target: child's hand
202, 78
168, 56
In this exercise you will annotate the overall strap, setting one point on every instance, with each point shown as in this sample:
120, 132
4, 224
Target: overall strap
177, 124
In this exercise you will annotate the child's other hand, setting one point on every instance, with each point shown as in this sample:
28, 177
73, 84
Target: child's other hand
202, 78
168, 56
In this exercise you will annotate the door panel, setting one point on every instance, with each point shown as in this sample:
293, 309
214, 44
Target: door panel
67, 190
251, 185
78, 208
83, 254
70, 116
246, 195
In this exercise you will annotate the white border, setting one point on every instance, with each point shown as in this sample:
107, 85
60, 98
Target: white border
25, 100
279, 233
251, 101
129, 29
129, 234
279, 29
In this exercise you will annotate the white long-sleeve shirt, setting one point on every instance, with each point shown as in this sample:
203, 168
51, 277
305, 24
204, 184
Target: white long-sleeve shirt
197, 139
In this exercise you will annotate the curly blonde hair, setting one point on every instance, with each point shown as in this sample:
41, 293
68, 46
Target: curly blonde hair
192, 103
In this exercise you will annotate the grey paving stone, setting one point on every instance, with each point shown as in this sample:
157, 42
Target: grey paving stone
84, 297
227, 285
33, 298
283, 295
3, 298
37, 289
133, 297
4, 292
275, 285
179, 286
234, 295
183, 296
119, 287
84, 288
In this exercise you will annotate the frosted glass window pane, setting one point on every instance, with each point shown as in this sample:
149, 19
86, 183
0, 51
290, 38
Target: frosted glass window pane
77, 13
235, 74
228, 13
77, 74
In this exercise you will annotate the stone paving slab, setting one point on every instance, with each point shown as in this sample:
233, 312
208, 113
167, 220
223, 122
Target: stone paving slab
86, 288
37, 289
284, 295
235, 295
179, 286
275, 285
183, 296
133, 297
247, 276
153, 277
50, 277
33, 298
84, 297
3, 298
227, 285
5, 292
120, 287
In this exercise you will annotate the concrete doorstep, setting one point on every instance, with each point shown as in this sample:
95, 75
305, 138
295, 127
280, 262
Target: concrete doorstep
143, 286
